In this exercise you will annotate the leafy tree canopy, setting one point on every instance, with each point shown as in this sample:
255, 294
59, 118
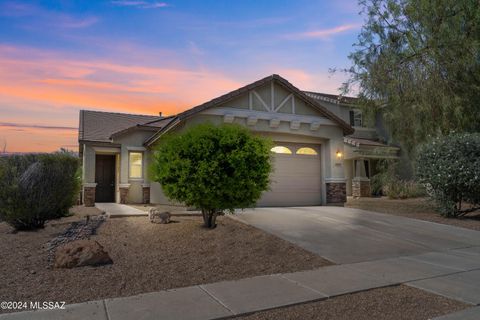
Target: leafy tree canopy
214, 168
419, 61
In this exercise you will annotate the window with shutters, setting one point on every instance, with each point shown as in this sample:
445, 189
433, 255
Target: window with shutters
356, 119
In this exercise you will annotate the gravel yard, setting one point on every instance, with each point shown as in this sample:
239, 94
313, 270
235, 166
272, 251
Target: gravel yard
147, 257
418, 208
391, 303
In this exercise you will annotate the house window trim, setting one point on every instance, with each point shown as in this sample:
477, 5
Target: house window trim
130, 167
356, 115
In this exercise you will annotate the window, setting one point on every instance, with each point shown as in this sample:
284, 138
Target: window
281, 149
356, 119
136, 165
307, 151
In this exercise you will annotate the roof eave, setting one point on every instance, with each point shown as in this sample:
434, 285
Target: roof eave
162, 131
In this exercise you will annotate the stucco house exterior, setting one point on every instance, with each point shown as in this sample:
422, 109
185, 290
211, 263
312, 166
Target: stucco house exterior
322, 151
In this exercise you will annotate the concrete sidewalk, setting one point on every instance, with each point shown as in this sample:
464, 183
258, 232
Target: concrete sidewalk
452, 273
116, 210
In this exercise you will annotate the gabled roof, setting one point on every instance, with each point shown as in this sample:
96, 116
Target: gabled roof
347, 129
99, 126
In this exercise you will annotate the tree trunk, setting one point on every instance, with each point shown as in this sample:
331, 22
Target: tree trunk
209, 218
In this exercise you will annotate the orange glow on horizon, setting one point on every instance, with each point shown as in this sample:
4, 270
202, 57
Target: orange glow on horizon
67, 85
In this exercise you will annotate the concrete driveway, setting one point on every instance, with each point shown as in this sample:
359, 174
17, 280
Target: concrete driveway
348, 235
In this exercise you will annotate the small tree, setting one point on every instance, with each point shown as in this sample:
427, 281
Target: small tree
214, 168
450, 168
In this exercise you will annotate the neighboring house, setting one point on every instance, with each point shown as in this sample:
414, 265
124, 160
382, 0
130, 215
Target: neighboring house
321, 146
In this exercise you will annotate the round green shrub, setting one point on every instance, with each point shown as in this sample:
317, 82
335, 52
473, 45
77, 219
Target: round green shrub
450, 169
214, 168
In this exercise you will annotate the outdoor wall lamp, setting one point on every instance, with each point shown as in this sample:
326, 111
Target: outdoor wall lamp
339, 154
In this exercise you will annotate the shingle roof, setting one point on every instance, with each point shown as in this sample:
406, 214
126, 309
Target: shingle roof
347, 129
357, 142
99, 126
149, 125
332, 98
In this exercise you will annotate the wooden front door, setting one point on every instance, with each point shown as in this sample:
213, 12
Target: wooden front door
105, 178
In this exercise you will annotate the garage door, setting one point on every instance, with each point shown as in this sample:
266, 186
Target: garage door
296, 179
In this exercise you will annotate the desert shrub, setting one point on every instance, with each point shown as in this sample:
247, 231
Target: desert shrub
385, 171
450, 168
37, 188
376, 184
388, 183
213, 168
402, 189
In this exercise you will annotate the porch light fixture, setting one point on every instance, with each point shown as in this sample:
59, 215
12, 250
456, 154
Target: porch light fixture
339, 154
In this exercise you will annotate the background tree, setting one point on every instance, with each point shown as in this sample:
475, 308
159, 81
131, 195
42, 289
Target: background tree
3, 146
213, 168
419, 62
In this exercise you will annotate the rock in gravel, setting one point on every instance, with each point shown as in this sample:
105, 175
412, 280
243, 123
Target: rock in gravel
81, 253
157, 216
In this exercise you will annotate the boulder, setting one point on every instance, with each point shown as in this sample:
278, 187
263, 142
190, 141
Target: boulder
81, 253
158, 216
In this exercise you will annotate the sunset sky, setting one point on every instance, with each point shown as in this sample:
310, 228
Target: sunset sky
57, 57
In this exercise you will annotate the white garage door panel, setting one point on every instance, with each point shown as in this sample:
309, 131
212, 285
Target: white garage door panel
288, 199
310, 183
296, 180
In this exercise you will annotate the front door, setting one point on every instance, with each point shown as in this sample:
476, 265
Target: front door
105, 178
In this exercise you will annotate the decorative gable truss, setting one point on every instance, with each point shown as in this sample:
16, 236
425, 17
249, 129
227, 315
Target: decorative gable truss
272, 103
289, 100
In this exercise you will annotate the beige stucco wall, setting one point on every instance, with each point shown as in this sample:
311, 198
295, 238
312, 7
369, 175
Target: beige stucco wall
133, 141
348, 165
88, 164
328, 135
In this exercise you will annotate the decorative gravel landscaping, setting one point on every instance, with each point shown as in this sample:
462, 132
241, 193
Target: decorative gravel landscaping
391, 303
146, 257
417, 208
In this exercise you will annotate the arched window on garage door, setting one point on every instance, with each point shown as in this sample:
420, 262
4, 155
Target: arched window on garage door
281, 149
307, 151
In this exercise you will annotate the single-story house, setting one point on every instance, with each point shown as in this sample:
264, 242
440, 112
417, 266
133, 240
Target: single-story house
322, 151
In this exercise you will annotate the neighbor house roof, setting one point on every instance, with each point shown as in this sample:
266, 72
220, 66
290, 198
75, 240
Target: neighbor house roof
357, 142
347, 129
332, 98
100, 126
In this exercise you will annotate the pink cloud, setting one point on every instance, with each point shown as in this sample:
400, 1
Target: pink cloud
41, 92
323, 33
139, 4
50, 77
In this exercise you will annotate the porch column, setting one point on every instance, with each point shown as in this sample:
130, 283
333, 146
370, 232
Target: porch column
146, 182
360, 183
335, 186
124, 185
88, 176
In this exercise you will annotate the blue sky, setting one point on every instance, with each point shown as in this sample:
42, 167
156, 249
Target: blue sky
57, 57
